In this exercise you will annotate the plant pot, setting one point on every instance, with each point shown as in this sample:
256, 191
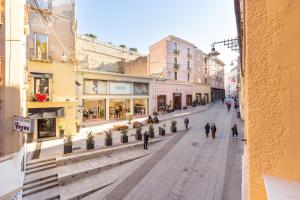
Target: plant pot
138, 136
61, 133
67, 149
162, 132
151, 134
174, 129
108, 141
90, 145
124, 138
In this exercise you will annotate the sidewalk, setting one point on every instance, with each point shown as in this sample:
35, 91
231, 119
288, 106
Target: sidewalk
54, 148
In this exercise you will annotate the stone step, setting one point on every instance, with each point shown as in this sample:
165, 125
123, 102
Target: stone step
40, 179
43, 168
28, 186
39, 188
95, 169
41, 164
36, 161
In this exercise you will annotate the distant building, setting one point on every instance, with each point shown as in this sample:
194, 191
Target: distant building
216, 71
171, 62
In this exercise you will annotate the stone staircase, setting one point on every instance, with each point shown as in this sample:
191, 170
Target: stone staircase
40, 176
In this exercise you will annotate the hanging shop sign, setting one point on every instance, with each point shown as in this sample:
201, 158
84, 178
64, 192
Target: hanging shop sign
23, 124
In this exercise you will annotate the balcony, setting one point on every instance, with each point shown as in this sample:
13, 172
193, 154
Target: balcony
40, 56
189, 55
176, 51
189, 68
176, 66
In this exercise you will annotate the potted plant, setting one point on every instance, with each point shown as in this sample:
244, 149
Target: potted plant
61, 128
151, 131
90, 141
138, 133
162, 130
102, 113
68, 144
169, 108
124, 136
137, 124
173, 126
108, 138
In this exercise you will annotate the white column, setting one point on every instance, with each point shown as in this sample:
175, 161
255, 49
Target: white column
107, 108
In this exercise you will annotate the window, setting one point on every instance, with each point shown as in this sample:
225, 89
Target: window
188, 49
175, 61
41, 47
175, 75
205, 60
41, 85
188, 63
205, 80
188, 77
175, 46
42, 4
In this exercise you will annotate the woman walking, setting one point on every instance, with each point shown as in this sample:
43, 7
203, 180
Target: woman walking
213, 131
207, 128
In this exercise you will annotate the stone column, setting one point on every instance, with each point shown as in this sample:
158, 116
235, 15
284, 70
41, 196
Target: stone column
107, 108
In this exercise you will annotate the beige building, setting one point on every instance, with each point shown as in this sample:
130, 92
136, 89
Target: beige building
271, 79
12, 96
51, 100
171, 61
216, 74
201, 77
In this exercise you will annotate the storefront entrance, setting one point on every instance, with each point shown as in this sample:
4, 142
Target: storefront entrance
189, 99
46, 127
140, 107
177, 101
161, 102
118, 108
93, 110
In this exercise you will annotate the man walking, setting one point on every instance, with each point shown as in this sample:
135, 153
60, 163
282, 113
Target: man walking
186, 122
207, 128
234, 131
213, 131
146, 137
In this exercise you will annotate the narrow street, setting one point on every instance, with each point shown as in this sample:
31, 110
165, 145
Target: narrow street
195, 168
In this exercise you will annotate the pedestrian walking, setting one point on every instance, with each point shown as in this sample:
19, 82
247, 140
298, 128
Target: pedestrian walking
228, 104
146, 138
186, 122
222, 100
207, 128
234, 131
213, 131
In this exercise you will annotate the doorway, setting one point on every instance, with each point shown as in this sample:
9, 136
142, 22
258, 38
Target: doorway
177, 101
46, 127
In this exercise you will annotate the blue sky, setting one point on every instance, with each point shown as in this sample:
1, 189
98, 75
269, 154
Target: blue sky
140, 23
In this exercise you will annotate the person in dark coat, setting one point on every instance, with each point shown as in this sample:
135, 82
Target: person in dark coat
213, 131
228, 105
186, 122
234, 131
207, 128
146, 138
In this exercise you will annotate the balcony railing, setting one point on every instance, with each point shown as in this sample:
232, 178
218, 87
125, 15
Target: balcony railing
189, 68
189, 55
176, 51
40, 56
176, 66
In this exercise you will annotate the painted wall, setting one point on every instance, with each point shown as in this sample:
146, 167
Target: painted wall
272, 92
168, 88
136, 67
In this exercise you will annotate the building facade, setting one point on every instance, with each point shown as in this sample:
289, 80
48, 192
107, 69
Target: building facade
171, 62
112, 82
13, 21
271, 74
201, 78
216, 71
51, 65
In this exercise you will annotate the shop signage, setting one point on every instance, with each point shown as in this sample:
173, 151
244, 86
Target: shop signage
140, 88
120, 88
23, 124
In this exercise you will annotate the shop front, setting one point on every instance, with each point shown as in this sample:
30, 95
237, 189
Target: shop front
113, 99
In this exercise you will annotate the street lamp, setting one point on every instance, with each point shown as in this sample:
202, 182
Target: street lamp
230, 43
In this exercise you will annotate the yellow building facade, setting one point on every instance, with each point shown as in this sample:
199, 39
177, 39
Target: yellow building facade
271, 46
51, 93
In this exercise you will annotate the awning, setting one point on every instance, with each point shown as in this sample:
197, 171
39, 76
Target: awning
42, 113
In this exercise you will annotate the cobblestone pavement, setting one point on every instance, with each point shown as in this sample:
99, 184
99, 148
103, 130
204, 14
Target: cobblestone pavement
194, 168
